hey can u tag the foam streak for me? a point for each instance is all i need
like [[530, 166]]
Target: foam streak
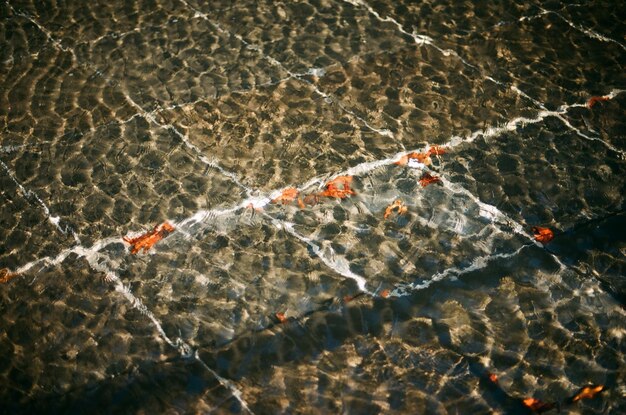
[[476, 265], [29, 194]]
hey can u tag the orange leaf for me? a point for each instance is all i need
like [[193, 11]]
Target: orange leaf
[[436, 151], [592, 101], [493, 377], [148, 239], [301, 204], [396, 205], [339, 188], [427, 179], [543, 235], [311, 200], [420, 157], [281, 317], [588, 392], [385, 293], [537, 405], [6, 275], [287, 196]]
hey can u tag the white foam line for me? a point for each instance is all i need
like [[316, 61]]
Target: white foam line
[[477, 264], [273, 61], [591, 33], [493, 213], [45, 31], [211, 163], [364, 168], [185, 139], [418, 39], [226, 383], [563, 110], [30, 194], [260, 202], [342, 267], [184, 349], [329, 98]]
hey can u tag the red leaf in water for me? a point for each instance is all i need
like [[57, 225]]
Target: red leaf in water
[[493, 377], [588, 392], [311, 200], [543, 235], [287, 196], [537, 406], [148, 239], [427, 179], [398, 206], [420, 157], [592, 101], [339, 188], [436, 151], [6, 275], [281, 317]]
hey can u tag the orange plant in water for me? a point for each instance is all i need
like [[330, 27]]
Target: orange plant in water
[[428, 178], [6, 275], [281, 317], [148, 239], [339, 187], [537, 405], [543, 235], [287, 196], [588, 392], [436, 151], [592, 101], [398, 206], [423, 158]]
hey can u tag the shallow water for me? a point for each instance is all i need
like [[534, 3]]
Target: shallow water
[[118, 117]]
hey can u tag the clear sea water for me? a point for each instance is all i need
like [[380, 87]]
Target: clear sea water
[[117, 116]]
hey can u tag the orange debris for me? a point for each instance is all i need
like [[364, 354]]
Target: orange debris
[[148, 239], [536, 405], [588, 392], [301, 203], [493, 377], [427, 179], [385, 293], [287, 196], [592, 101], [311, 200], [436, 151], [6, 275], [339, 187], [543, 235], [281, 317], [420, 157], [396, 205]]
